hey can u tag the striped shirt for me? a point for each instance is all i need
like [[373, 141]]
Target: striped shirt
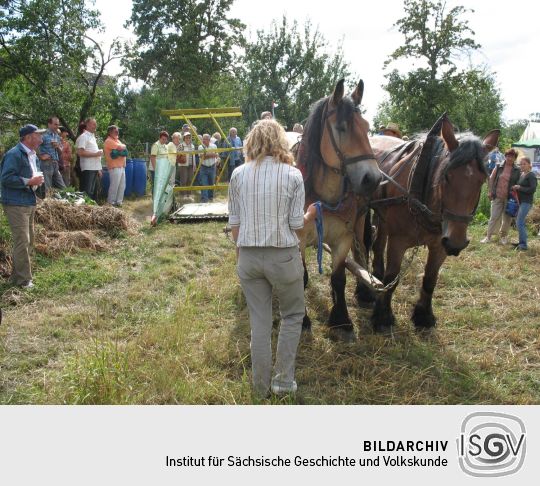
[[266, 200]]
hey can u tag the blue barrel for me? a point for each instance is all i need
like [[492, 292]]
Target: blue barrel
[[129, 177], [105, 182], [139, 177]]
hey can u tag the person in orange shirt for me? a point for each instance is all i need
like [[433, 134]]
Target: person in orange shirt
[[115, 156]]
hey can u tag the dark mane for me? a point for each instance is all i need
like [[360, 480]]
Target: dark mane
[[309, 156], [470, 148]]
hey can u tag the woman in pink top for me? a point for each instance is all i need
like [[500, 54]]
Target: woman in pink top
[[115, 156]]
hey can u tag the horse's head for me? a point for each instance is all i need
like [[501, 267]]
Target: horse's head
[[460, 180], [344, 143]]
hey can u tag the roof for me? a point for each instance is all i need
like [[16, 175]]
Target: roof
[[532, 143], [532, 131]]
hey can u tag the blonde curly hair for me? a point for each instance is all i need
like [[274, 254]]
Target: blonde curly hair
[[267, 138]]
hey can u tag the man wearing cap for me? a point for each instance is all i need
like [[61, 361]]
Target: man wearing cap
[[115, 153], [49, 155], [20, 177], [90, 158]]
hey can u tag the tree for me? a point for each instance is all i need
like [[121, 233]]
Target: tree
[[511, 133], [433, 35], [417, 98], [477, 104], [289, 66], [50, 64], [182, 44]]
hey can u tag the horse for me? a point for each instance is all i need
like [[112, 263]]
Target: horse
[[341, 172], [429, 197]]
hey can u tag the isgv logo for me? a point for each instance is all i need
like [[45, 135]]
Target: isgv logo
[[491, 444]]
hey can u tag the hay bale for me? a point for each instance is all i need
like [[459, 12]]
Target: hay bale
[[6, 262], [56, 243], [60, 215], [534, 217]]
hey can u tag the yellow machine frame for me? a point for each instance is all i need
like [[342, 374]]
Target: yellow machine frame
[[188, 114]]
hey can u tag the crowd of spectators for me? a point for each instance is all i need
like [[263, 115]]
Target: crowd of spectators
[[45, 160]]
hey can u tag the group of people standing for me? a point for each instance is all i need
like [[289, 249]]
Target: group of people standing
[[42, 160], [196, 164], [506, 181]]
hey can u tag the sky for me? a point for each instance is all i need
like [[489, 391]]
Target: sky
[[507, 32]]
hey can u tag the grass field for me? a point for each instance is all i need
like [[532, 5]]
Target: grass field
[[161, 319]]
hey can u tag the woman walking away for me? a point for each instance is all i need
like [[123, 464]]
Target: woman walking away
[[525, 188], [500, 184], [266, 201]]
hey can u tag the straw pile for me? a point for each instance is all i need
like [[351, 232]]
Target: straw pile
[[58, 215], [5, 260], [64, 228], [56, 243], [534, 217]]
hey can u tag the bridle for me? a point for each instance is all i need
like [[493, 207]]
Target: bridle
[[344, 161], [416, 206], [447, 215]]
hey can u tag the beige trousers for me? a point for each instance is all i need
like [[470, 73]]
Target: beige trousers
[[21, 222], [495, 224], [261, 271]]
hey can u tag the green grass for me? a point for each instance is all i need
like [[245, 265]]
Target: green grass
[[162, 319]]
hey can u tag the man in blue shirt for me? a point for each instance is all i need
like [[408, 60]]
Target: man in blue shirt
[[236, 156], [20, 178], [49, 155]]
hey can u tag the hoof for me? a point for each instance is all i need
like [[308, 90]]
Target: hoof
[[386, 331], [343, 334], [423, 318], [383, 324]]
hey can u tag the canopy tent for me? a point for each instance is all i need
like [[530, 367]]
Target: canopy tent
[[529, 145]]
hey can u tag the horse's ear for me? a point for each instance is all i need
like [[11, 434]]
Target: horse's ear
[[491, 140], [339, 91], [447, 133], [358, 93]]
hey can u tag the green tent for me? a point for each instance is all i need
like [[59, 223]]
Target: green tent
[[531, 143]]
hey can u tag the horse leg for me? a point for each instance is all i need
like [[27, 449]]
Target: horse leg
[[339, 321], [422, 315], [360, 250], [306, 323], [365, 296], [383, 318], [378, 252]]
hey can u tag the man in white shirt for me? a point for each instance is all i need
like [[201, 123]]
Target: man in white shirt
[[207, 172], [90, 155]]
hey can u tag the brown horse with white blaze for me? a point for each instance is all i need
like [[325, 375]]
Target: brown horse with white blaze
[[341, 172], [430, 196]]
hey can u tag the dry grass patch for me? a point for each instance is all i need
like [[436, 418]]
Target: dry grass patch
[[162, 319]]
